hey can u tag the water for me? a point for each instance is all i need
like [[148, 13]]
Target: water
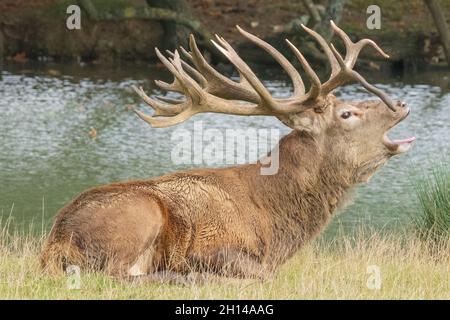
[[47, 156]]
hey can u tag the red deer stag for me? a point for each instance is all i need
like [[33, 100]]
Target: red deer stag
[[235, 221]]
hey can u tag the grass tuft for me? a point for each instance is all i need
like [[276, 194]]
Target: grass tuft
[[433, 191]]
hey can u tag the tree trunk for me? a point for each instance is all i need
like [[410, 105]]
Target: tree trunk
[[334, 11], [441, 25], [2, 50], [171, 39], [89, 8], [313, 12]]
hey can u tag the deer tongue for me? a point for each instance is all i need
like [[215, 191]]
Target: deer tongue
[[402, 141], [398, 145]]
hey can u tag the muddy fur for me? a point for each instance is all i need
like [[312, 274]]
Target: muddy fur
[[231, 221]]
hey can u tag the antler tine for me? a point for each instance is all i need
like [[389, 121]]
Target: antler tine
[[191, 87], [218, 84], [199, 77], [186, 82], [176, 113], [316, 85], [299, 87], [353, 49], [175, 85], [186, 53], [356, 76], [324, 45], [167, 121], [228, 51], [161, 109], [169, 100]]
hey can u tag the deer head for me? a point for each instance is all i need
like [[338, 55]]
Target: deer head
[[351, 132]]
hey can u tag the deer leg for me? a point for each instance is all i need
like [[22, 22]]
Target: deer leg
[[236, 263], [231, 263], [171, 277], [225, 266], [143, 262], [190, 279]]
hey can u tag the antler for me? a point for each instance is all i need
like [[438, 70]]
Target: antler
[[213, 92], [342, 69]]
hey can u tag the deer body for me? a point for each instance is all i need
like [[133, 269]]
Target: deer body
[[195, 217], [234, 221]]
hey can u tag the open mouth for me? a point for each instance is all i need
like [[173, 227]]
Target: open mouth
[[397, 146]]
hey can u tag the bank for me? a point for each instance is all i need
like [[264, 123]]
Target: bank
[[120, 30]]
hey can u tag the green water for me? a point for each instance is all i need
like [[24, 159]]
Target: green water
[[47, 156]]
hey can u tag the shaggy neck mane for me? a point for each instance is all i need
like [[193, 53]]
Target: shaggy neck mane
[[301, 197]]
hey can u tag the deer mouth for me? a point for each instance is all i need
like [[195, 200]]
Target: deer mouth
[[397, 146]]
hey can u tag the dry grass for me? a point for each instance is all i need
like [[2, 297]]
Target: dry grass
[[409, 268]]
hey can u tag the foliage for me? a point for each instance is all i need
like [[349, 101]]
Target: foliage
[[433, 193]]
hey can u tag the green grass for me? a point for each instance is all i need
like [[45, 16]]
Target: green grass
[[336, 269], [433, 192]]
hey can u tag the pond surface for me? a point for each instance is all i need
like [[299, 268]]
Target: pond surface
[[47, 155]]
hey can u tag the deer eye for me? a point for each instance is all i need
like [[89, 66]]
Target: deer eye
[[346, 115]]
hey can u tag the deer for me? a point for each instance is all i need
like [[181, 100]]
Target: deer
[[234, 221]]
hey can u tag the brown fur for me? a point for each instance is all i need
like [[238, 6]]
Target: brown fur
[[232, 221]]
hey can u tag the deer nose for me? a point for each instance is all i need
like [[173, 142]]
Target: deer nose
[[401, 104]]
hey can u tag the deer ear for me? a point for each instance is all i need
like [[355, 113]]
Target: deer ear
[[305, 121]]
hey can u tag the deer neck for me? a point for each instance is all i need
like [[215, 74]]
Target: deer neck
[[308, 163], [308, 188]]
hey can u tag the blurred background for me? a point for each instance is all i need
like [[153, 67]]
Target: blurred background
[[414, 32], [65, 99]]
